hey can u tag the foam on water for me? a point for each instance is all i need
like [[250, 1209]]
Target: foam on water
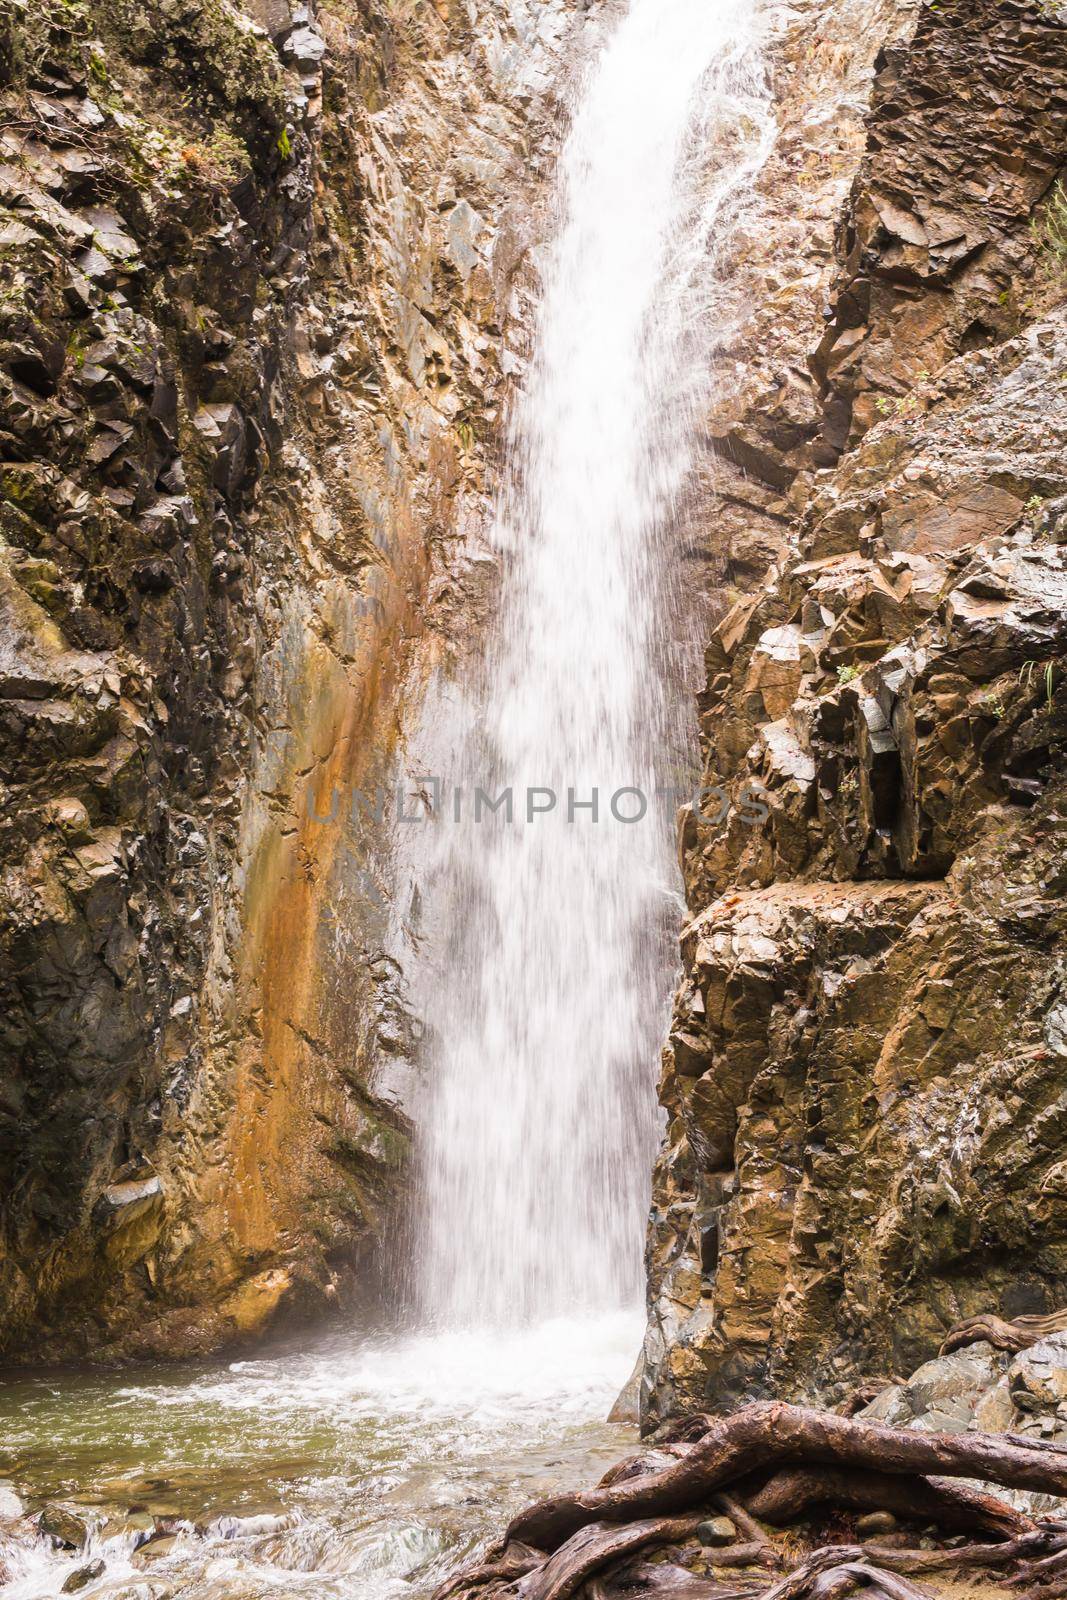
[[356, 1470]]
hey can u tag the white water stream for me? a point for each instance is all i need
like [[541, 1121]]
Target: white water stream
[[555, 926], [550, 948]]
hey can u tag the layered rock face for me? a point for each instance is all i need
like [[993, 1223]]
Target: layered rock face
[[866, 1077], [256, 271]]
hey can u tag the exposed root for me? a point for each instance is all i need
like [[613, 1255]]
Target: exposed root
[[593, 1547], [514, 1561], [773, 1463], [1015, 1336], [790, 1493], [743, 1520], [640, 1580], [768, 1435]]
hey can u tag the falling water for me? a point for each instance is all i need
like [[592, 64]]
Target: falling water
[[553, 928]]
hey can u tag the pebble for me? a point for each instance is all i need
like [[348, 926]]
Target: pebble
[[716, 1530], [875, 1522]]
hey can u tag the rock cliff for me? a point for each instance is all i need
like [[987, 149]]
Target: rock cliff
[[262, 292], [866, 1076], [258, 269]]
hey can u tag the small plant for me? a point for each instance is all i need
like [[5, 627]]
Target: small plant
[[994, 704], [847, 674], [1026, 678], [1049, 231], [1034, 504], [285, 144], [465, 434], [905, 405]]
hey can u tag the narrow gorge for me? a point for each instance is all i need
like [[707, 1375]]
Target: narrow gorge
[[512, 513]]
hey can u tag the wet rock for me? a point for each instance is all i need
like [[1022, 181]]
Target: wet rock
[[81, 1577], [157, 1548], [222, 488], [64, 1526]]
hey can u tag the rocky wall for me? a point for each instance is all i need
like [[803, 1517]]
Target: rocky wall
[[866, 1073], [259, 296]]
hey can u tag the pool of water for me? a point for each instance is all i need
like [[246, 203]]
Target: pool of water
[[358, 1469]]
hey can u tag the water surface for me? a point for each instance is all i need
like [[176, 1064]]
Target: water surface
[[370, 1469]]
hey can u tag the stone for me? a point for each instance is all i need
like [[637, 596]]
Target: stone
[[715, 1531], [850, 1164], [155, 1549], [875, 1523], [64, 1526], [81, 1577]]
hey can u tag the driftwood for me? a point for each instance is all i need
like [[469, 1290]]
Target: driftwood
[[772, 1463], [1017, 1335]]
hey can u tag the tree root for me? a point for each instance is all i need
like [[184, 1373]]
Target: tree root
[[772, 1463], [789, 1493], [768, 1434], [594, 1546], [743, 1520], [500, 1566], [1014, 1336], [640, 1580]]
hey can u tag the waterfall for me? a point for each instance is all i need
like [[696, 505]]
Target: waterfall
[[551, 928]]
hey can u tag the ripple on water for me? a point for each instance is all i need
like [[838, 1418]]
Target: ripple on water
[[362, 1470]]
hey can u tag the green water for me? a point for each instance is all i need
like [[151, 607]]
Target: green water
[[359, 1470]]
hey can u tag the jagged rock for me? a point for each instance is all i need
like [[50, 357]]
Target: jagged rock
[[223, 495], [862, 1104]]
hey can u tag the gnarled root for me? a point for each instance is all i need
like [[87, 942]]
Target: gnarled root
[[788, 1494], [1014, 1336], [514, 1560], [771, 1463], [595, 1546], [769, 1434]]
